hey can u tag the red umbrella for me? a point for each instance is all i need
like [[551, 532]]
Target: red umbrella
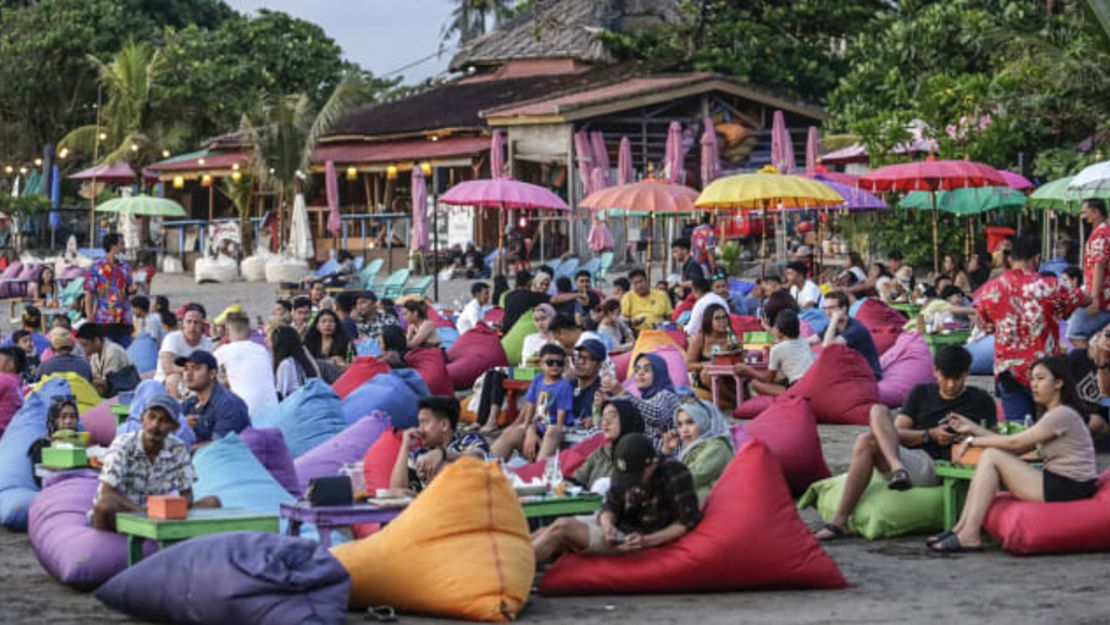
[[583, 151], [672, 159], [116, 173], [812, 150], [497, 154]]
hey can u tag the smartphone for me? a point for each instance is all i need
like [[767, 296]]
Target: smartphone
[[619, 537]]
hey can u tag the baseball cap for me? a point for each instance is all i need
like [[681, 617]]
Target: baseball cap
[[61, 338], [199, 357], [594, 348], [631, 457], [167, 403]]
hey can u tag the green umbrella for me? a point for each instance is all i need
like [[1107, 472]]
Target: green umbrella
[[143, 205], [1056, 196], [966, 201]]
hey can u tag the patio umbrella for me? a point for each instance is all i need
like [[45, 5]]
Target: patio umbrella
[[624, 162], [812, 150], [1092, 177], [710, 154], [822, 173], [855, 198], [142, 205], [932, 175], [1057, 195], [782, 147], [672, 158], [118, 172], [331, 185], [300, 235], [502, 193], [497, 154], [583, 151], [966, 201], [1016, 180], [419, 211]]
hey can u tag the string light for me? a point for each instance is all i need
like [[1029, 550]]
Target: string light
[[165, 153], [102, 136], [134, 147], [352, 173], [206, 180], [179, 182], [236, 176], [391, 172], [38, 162], [23, 170], [200, 161], [426, 168], [9, 170], [235, 167], [63, 153]]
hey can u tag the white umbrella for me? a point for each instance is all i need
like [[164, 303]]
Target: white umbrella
[[300, 236], [1093, 177]]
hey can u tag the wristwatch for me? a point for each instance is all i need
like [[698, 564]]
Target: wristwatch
[[925, 438], [970, 441]]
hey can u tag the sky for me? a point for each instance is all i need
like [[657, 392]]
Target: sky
[[380, 35]]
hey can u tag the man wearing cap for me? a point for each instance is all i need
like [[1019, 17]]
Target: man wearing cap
[[63, 360], [587, 358], [211, 410], [651, 502], [144, 463]]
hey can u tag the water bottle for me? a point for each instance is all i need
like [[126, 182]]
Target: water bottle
[[553, 475], [1028, 421]]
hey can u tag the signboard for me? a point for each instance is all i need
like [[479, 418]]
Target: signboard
[[459, 228]]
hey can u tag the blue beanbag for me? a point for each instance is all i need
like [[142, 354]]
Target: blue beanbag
[[143, 351], [982, 355], [306, 418], [395, 393], [816, 319], [17, 483], [447, 337], [228, 469], [236, 577]]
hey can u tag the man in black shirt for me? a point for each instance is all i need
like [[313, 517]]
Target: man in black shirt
[[905, 447], [1085, 373], [530, 291], [689, 269]]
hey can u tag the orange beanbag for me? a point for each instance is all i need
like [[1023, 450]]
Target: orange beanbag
[[1028, 527], [361, 370], [649, 341], [750, 537], [461, 550], [840, 387], [789, 430]]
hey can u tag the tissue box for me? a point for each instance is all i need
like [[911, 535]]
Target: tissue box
[[168, 507], [64, 458]]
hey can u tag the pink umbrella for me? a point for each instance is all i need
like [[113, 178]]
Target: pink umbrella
[[782, 147], [813, 148], [584, 152], [1016, 181], [118, 172], [672, 158], [497, 155], [331, 184], [419, 211], [601, 160], [624, 162], [599, 239], [710, 156]]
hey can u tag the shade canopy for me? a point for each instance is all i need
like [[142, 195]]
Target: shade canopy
[[767, 190], [647, 197], [1057, 195], [502, 192], [1016, 181], [143, 205], [1092, 177], [856, 199], [932, 175], [118, 172], [967, 201]]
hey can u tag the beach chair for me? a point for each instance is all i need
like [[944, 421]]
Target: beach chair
[[369, 273], [329, 267], [602, 275], [358, 263], [418, 287], [394, 285], [591, 266], [567, 268]]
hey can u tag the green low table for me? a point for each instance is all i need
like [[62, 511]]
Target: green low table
[[955, 478], [910, 310], [200, 522], [541, 506], [122, 411], [938, 340]]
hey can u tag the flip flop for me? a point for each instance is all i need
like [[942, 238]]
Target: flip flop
[[834, 529], [951, 544], [939, 537], [381, 614], [900, 480]]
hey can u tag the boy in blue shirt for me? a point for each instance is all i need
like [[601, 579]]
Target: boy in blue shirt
[[548, 410]]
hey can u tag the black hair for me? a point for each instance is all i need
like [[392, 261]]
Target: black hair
[[443, 407], [522, 279], [840, 296], [195, 307], [894, 255], [301, 301], [552, 349], [161, 304], [141, 302], [500, 287], [1069, 396], [773, 279], [1098, 204], [1045, 273], [417, 307], [18, 335], [57, 403], [936, 280], [285, 304], [707, 318], [345, 301], [169, 319], [797, 266], [393, 339], [952, 361], [90, 332], [545, 269], [777, 302], [1075, 273], [314, 341], [1025, 247], [583, 273], [623, 284], [682, 243], [563, 322], [636, 273], [701, 285], [111, 240], [286, 343], [365, 295], [31, 316], [17, 356], [563, 284], [787, 323], [950, 290], [477, 288]]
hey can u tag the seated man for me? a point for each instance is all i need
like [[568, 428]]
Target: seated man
[[63, 360], [643, 306], [844, 330], [433, 444], [905, 447], [211, 410], [587, 359], [145, 463], [105, 358], [651, 502]]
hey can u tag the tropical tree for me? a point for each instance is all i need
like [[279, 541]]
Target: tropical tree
[[240, 191], [469, 18]]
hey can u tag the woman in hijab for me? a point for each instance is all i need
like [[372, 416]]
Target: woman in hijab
[[62, 415], [703, 443], [618, 418], [658, 401], [533, 343]]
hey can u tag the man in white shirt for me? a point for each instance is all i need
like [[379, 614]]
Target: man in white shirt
[[248, 367], [179, 344], [473, 311], [706, 297], [802, 289]]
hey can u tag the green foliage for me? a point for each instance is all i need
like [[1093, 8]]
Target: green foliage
[[24, 207], [909, 231]]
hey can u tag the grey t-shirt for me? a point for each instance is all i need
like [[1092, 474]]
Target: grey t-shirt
[[1071, 452], [792, 357]]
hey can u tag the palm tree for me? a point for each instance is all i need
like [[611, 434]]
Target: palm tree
[[468, 20], [239, 190]]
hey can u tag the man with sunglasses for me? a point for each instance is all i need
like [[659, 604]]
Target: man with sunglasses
[[548, 410]]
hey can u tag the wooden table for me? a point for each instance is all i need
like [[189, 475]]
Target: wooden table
[[939, 340], [200, 522]]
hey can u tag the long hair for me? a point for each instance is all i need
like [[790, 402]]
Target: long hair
[[286, 343], [707, 319], [1059, 369], [314, 341], [778, 301]]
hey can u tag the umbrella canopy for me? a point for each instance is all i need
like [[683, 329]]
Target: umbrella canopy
[[1092, 177], [497, 154], [856, 199], [143, 205], [502, 193], [624, 162], [767, 190], [331, 187], [813, 148], [118, 172], [672, 159], [642, 198], [419, 211], [583, 151], [710, 154], [1016, 180], [966, 201], [932, 175], [824, 175], [1057, 195]]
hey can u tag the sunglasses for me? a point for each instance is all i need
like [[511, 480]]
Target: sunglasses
[[554, 363], [641, 369]]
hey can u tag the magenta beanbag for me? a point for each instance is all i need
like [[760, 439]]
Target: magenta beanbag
[[268, 445], [753, 407], [431, 364], [100, 423], [474, 353], [789, 430], [348, 446], [905, 365], [884, 323], [840, 387], [569, 459], [1027, 527]]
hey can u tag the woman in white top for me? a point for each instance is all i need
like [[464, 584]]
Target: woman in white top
[[293, 364], [1061, 438], [533, 343]]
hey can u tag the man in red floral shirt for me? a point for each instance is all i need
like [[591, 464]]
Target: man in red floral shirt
[[1084, 323], [108, 291], [1023, 310]]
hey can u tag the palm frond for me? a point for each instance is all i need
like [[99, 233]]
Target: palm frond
[[349, 94]]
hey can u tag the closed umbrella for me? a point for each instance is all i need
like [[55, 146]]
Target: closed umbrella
[[672, 157], [583, 150], [300, 235], [782, 147], [419, 211], [710, 154], [601, 160], [497, 154], [331, 185], [624, 162], [813, 148]]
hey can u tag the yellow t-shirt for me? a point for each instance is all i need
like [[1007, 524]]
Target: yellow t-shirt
[[654, 308]]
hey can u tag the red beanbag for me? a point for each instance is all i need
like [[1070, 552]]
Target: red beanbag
[[750, 537], [622, 362], [884, 323], [474, 353], [742, 324], [840, 387], [361, 370], [905, 365], [431, 364], [1027, 527], [569, 459], [753, 407], [377, 464], [789, 430]]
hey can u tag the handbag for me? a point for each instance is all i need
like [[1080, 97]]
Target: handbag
[[330, 491], [123, 380]]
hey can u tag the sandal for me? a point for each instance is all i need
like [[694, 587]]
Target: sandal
[[900, 480], [939, 537], [951, 544], [381, 614], [835, 532]]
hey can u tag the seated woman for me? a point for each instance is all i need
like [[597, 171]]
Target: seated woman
[[62, 415], [702, 442], [714, 337], [45, 291], [421, 330], [327, 340], [1060, 436], [394, 346], [533, 343], [658, 400], [293, 365], [618, 419], [610, 324], [790, 358]]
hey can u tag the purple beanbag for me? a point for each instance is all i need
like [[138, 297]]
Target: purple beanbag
[[236, 577], [350, 445], [905, 365], [268, 445], [11, 273], [100, 423]]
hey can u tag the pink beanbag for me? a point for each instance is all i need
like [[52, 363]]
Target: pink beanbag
[[789, 430], [905, 365], [884, 323], [676, 368], [840, 387], [750, 537], [268, 445], [753, 407], [100, 423], [362, 369], [474, 353], [569, 459], [1027, 527], [431, 364]]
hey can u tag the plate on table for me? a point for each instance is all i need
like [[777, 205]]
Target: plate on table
[[389, 502], [529, 490]]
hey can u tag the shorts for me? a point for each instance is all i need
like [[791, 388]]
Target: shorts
[[919, 465], [1060, 488], [597, 545]]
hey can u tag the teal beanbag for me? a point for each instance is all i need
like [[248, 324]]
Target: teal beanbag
[[306, 418], [881, 512], [513, 341]]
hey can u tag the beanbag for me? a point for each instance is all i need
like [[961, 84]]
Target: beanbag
[[465, 537], [750, 537], [881, 512], [1027, 527], [815, 318], [789, 430], [676, 369], [569, 459], [377, 464], [884, 322], [79, 387], [679, 337], [100, 423], [361, 370], [752, 408], [905, 365], [268, 446], [147, 390], [651, 341], [17, 484], [447, 335], [229, 470], [840, 387], [622, 363], [395, 393], [474, 353], [513, 341], [742, 324], [306, 418], [236, 577], [70, 550], [982, 355], [431, 364], [348, 446], [143, 351]]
